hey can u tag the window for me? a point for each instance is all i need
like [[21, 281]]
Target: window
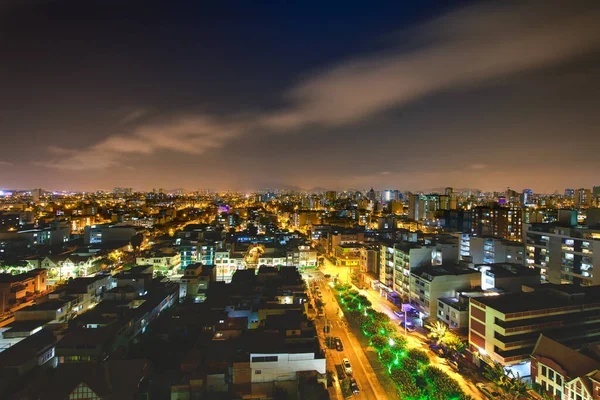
[[265, 359], [551, 375], [257, 372], [543, 371], [558, 380]]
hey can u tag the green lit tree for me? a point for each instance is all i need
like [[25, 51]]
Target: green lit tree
[[379, 341]]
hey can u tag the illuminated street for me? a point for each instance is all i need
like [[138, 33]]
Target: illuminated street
[[415, 339]]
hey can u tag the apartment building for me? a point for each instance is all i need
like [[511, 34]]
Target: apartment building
[[505, 328], [490, 250], [497, 221], [563, 254], [430, 283]]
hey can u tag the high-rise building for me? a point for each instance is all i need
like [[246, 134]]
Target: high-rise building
[[569, 193], [36, 194], [421, 207], [583, 197], [331, 196], [596, 196], [504, 222]]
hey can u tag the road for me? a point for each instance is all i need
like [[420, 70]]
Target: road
[[415, 339], [367, 381]]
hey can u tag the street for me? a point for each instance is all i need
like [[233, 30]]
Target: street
[[369, 385], [415, 339]]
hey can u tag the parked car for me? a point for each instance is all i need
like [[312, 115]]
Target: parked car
[[488, 392], [338, 344], [354, 386], [347, 366], [409, 326]]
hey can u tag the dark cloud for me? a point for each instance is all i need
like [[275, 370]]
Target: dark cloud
[[476, 97]]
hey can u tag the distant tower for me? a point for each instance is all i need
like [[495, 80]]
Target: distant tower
[[36, 194]]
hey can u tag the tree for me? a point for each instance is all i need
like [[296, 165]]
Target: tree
[[411, 365], [419, 355], [454, 345], [496, 374], [381, 317], [379, 341], [371, 329], [363, 301], [386, 356], [399, 342], [406, 383], [437, 331], [136, 242]]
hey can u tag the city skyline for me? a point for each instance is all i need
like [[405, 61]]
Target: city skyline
[[484, 95]]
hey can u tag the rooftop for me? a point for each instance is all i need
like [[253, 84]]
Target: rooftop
[[575, 363], [553, 296]]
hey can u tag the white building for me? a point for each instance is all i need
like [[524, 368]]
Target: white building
[[274, 367]]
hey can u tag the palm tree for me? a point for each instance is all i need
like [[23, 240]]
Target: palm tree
[[437, 331], [496, 374]]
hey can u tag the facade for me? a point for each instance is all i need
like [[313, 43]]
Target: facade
[[160, 260], [505, 328], [107, 233], [563, 372], [501, 222], [369, 264], [563, 254], [490, 250], [16, 289], [422, 207], [507, 276], [430, 283]]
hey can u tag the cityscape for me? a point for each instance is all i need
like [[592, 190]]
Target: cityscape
[[277, 201]]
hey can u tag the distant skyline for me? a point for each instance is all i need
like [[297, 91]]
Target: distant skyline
[[150, 94]]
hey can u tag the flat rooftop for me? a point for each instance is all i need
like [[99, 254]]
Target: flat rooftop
[[542, 299]]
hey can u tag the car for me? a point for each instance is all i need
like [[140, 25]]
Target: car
[[347, 366], [327, 276], [338, 344], [407, 325], [354, 386], [489, 392]]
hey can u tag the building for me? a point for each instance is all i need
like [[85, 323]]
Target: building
[[369, 265], [54, 235], [583, 198], [507, 276], [563, 254], [17, 290], [165, 260], [505, 328], [422, 207], [563, 372], [196, 280], [504, 222], [275, 357], [430, 283], [107, 233], [490, 250]]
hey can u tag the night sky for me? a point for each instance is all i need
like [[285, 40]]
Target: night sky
[[248, 95]]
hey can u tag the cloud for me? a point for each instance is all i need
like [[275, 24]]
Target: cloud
[[460, 49], [134, 115], [478, 166]]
